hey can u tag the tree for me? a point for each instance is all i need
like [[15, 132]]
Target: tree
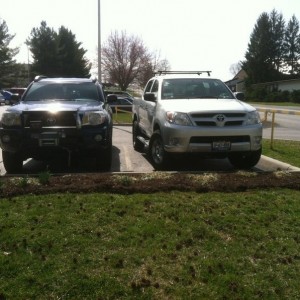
[[235, 68], [126, 60], [258, 62], [150, 67], [70, 55], [6, 55], [277, 39], [57, 54], [42, 45], [292, 46], [265, 50]]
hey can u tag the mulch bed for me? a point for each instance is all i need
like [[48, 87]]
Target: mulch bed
[[152, 183]]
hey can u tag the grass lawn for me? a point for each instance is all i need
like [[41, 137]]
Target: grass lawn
[[122, 118], [283, 150], [172, 245], [162, 246]]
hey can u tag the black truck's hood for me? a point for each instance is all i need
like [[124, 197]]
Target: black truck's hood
[[57, 106]]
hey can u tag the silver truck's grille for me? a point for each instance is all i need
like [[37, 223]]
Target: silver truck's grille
[[218, 119], [40, 119]]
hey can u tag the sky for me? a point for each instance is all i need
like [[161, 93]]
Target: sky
[[193, 35]]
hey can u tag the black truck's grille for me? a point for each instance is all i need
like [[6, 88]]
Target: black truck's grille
[[41, 119]]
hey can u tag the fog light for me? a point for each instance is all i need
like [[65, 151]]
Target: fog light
[[174, 141], [98, 138], [257, 140], [6, 139]]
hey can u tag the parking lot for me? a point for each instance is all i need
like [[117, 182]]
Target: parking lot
[[126, 159]]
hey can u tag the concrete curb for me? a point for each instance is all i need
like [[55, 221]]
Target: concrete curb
[[265, 163]]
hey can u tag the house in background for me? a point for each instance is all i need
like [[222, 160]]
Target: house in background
[[289, 85], [237, 83]]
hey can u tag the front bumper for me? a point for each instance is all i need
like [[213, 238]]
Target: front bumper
[[30, 143], [187, 139]]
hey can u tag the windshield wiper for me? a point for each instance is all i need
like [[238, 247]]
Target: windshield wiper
[[204, 97]]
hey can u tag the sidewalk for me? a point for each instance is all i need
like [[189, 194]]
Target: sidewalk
[[269, 164]]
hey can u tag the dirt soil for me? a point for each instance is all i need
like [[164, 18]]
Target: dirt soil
[[148, 183]]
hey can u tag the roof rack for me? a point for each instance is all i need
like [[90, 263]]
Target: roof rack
[[39, 77], [94, 79], [182, 72]]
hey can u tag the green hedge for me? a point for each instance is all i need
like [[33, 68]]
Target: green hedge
[[261, 94]]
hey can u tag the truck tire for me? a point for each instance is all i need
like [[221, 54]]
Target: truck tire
[[13, 162], [159, 157], [245, 160], [107, 157], [104, 158], [137, 144]]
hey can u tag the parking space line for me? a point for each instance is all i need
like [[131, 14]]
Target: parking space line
[[126, 159]]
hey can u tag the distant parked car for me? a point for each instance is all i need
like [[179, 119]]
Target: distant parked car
[[119, 94], [7, 96], [17, 90], [2, 99], [122, 103]]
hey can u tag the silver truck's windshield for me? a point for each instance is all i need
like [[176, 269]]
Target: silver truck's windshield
[[186, 88]]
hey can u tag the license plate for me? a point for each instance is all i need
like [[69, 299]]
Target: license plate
[[48, 139], [221, 146]]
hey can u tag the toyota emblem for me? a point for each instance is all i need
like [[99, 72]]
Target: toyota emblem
[[51, 121], [220, 118]]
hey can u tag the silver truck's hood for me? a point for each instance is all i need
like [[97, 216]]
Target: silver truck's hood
[[206, 105]]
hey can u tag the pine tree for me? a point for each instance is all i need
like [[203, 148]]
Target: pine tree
[[72, 62], [258, 56], [277, 39], [292, 46], [7, 62], [57, 54], [266, 49], [42, 45]]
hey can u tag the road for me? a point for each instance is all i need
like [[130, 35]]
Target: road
[[126, 159], [286, 126]]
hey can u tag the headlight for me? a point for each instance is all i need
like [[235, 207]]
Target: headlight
[[93, 118], [253, 118], [11, 119], [178, 118]]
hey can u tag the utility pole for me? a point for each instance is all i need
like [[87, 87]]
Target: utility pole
[[28, 65], [99, 44]]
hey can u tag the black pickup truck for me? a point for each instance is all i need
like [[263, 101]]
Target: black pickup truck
[[55, 117]]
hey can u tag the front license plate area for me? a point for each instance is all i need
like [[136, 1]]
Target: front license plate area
[[48, 139], [221, 146]]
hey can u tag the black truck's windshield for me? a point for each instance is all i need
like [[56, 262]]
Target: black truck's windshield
[[58, 91]]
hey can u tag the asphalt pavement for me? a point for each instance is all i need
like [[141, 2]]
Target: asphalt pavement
[[127, 160]]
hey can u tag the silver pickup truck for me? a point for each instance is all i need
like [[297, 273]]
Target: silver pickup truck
[[188, 113]]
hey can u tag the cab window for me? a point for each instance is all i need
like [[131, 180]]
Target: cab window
[[148, 86]]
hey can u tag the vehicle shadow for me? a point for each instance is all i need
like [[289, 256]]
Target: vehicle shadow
[[60, 165], [191, 163]]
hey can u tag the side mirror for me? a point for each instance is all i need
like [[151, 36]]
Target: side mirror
[[111, 98], [15, 98], [239, 96], [150, 97]]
